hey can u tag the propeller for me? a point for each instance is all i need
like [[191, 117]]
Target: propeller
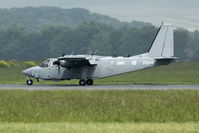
[[57, 62], [58, 69]]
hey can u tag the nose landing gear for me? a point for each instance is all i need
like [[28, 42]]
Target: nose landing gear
[[29, 82]]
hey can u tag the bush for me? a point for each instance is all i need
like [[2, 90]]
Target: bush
[[13, 63], [30, 63], [4, 64]]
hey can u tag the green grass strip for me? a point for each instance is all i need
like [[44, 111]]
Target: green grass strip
[[99, 106], [99, 128]]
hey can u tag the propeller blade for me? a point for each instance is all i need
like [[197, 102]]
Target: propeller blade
[[59, 69]]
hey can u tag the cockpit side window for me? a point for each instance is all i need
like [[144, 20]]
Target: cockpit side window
[[55, 63], [45, 63]]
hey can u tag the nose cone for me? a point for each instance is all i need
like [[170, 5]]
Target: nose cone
[[27, 72]]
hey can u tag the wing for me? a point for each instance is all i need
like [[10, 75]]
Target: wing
[[73, 61], [73, 58]]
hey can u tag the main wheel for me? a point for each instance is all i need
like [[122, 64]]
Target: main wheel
[[29, 82], [89, 82], [82, 82]]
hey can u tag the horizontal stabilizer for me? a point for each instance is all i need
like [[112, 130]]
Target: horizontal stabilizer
[[166, 58]]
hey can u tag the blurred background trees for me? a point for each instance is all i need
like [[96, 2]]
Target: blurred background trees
[[38, 33]]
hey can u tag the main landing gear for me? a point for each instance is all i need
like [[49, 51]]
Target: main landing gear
[[83, 82], [29, 82]]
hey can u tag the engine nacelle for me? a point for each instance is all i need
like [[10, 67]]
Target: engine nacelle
[[64, 63]]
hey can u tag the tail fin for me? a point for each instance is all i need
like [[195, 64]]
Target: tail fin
[[162, 45]]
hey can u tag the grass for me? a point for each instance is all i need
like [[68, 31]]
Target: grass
[[101, 106], [176, 73], [99, 128]]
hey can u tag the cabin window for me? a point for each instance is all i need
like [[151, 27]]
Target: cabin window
[[45, 63]]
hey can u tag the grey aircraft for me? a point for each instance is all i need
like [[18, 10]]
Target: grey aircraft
[[90, 67]]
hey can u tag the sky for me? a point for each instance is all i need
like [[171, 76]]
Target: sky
[[182, 13]]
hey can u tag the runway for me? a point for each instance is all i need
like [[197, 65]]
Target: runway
[[98, 87]]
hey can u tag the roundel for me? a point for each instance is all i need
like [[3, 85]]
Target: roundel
[[134, 63]]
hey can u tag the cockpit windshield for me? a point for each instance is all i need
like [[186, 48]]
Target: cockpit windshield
[[45, 63]]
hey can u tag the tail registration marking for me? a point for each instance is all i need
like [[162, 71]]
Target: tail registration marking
[[148, 62]]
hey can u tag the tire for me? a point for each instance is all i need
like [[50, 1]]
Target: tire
[[82, 82], [89, 82], [29, 82]]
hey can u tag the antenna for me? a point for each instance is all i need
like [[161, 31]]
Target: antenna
[[95, 52], [72, 52], [90, 52]]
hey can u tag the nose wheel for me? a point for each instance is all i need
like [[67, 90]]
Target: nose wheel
[[83, 82], [29, 82]]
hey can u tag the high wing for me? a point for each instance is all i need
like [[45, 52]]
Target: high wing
[[73, 58], [74, 61]]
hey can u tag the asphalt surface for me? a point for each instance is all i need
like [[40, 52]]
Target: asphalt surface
[[98, 87]]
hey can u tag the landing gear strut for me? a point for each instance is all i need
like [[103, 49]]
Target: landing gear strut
[[83, 82], [29, 82]]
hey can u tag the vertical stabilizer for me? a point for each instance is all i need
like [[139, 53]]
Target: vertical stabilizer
[[162, 45]]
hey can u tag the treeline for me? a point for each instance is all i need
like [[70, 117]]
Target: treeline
[[34, 19], [18, 43]]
